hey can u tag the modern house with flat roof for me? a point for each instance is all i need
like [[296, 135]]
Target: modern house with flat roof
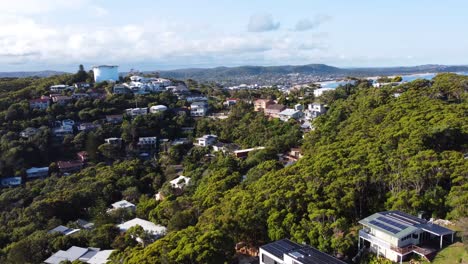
[[396, 235], [285, 251]]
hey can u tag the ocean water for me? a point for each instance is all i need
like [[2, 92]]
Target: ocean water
[[406, 78]]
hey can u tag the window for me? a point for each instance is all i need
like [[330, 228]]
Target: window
[[267, 260], [415, 236]]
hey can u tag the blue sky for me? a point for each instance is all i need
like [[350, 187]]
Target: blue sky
[[150, 35]]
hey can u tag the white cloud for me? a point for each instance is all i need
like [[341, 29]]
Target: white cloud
[[40, 6], [24, 40], [262, 23], [308, 24]]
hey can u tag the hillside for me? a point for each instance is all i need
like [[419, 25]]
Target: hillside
[[30, 74], [320, 70]]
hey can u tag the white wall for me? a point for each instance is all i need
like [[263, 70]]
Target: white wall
[[106, 73]]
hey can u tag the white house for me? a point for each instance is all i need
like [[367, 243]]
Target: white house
[[37, 172], [320, 91], [287, 252], [198, 108], [29, 132], [10, 182], [136, 111], [207, 140], [157, 109], [113, 141], [106, 73], [64, 230], [396, 235], [289, 113], [150, 227], [60, 88], [86, 255], [124, 204], [63, 131], [180, 182], [100, 257], [315, 110]]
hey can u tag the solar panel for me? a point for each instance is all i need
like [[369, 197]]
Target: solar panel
[[407, 218], [391, 222], [385, 227], [280, 247]]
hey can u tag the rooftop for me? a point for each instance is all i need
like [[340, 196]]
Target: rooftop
[[122, 204], [288, 112], [63, 230], [146, 225], [302, 253], [399, 224], [72, 254], [275, 107]]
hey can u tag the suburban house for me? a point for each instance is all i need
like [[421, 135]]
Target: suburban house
[[84, 224], [87, 255], [225, 147], [157, 109], [61, 88], [82, 156], [396, 235], [33, 172], [124, 204], [61, 99], [243, 153], [133, 112], [82, 85], [88, 126], [147, 142], [121, 89], [63, 130], [78, 96], [101, 257], [198, 108], [196, 98], [315, 110], [29, 132], [273, 110], [261, 104], [150, 227], [320, 91], [290, 157], [180, 182], [63, 230], [40, 103], [289, 113], [207, 140], [10, 181], [113, 141], [230, 102], [285, 251], [69, 166], [114, 119]]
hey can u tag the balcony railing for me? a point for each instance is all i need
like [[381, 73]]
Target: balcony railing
[[403, 251]]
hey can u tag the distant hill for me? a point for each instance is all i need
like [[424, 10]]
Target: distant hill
[[256, 72], [222, 73], [235, 72], [29, 74]]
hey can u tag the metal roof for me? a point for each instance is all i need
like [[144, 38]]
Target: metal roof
[[300, 253], [399, 224]]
